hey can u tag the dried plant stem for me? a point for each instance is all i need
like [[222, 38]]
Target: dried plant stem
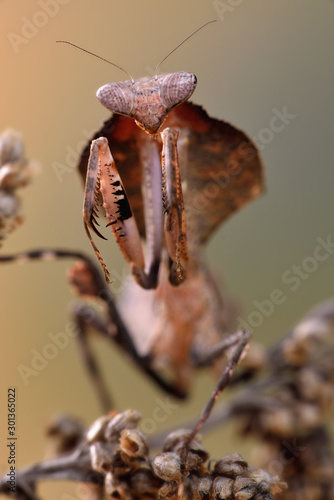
[[222, 382], [73, 467]]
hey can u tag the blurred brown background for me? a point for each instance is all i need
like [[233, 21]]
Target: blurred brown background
[[261, 56]]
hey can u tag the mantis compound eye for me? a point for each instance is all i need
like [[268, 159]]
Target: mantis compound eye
[[117, 97], [176, 88]]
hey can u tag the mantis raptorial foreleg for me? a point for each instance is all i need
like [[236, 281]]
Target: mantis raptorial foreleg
[[174, 216], [162, 191], [103, 176]]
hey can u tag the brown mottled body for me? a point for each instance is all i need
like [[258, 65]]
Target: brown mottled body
[[172, 181]]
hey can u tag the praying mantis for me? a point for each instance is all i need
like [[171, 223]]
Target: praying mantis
[[169, 174]]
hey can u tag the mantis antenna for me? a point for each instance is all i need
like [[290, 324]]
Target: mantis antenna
[[179, 45], [122, 69], [99, 57]]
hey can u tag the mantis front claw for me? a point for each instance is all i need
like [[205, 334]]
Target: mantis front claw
[[103, 177]]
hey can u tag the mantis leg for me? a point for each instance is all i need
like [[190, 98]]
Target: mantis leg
[[88, 283], [85, 317], [103, 176], [174, 215], [205, 357]]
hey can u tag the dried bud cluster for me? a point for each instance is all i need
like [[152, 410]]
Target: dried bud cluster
[[15, 172], [64, 433], [288, 410], [182, 471]]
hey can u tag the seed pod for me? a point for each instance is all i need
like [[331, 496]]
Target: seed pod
[[244, 488], [259, 475], [167, 466], [101, 455], [125, 420], [15, 170], [264, 478], [10, 213], [134, 443], [232, 465], [265, 496], [256, 359], [169, 490], [279, 421], [308, 417], [196, 454], [263, 487], [204, 485], [187, 489], [315, 385], [96, 430], [144, 482], [116, 489], [122, 463], [194, 461], [196, 448], [175, 438], [65, 432], [299, 345], [222, 488]]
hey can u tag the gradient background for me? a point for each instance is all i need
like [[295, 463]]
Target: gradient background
[[264, 54]]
